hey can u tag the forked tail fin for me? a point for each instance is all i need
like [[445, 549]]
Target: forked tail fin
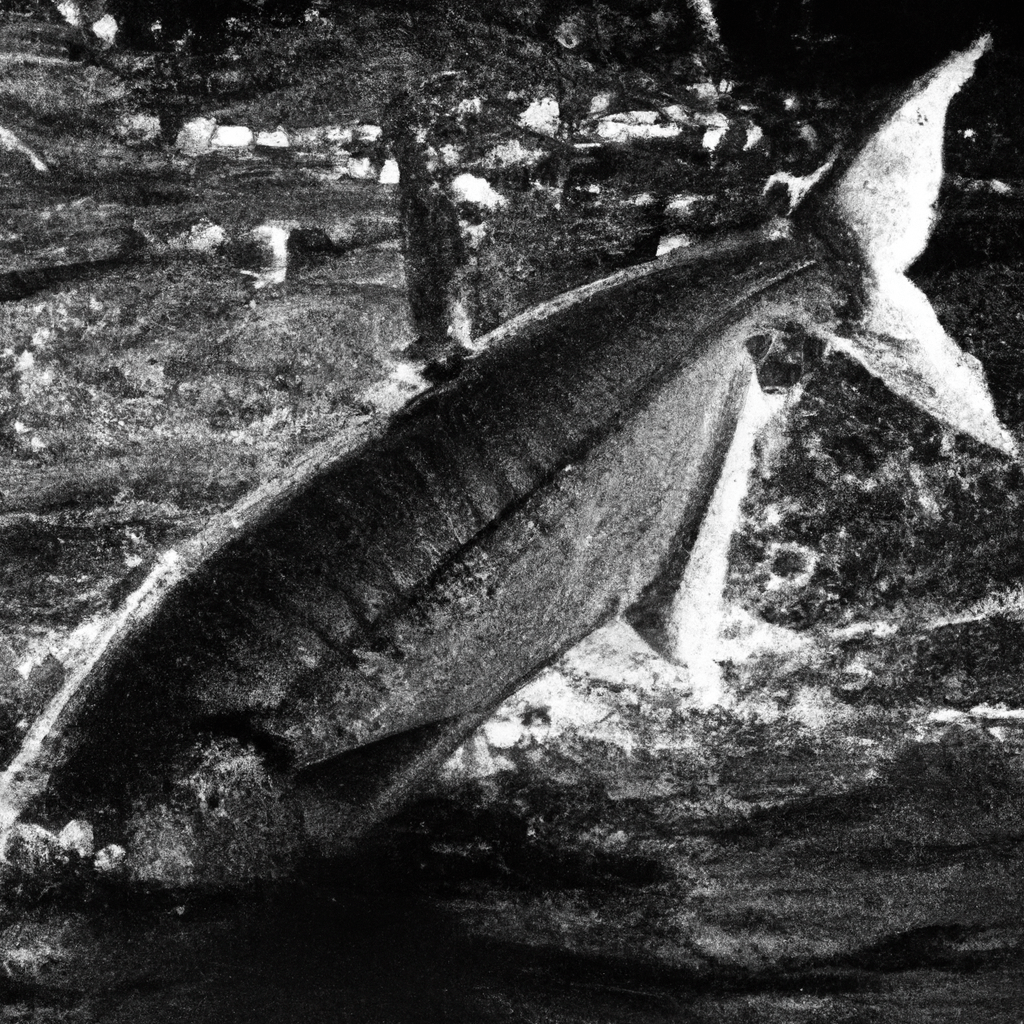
[[881, 198]]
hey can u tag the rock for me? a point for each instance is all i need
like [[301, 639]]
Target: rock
[[110, 859], [202, 237], [277, 139], [619, 131], [77, 837], [271, 239], [360, 168], [704, 93], [677, 112], [70, 12], [30, 848], [570, 32], [138, 127], [469, 107], [601, 103], [755, 135], [335, 135], [809, 136], [468, 188], [231, 136], [308, 138], [717, 126], [105, 30], [367, 133], [541, 116], [389, 173], [635, 117], [682, 208], [195, 135], [510, 154], [670, 242]]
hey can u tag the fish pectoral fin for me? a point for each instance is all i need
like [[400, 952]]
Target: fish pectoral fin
[[353, 792]]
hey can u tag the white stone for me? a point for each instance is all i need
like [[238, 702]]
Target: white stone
[[473, 105], [309, 138], [600, 103], [754, 136], [677, 112], [635, 117], [704, 92], [277, 139], [139, 127], [335, 135], [712, 138], [77, 837], [231, 136], [202, 237], [70, 12], [619, 131], [809, 135], [389, 173], [367, 133], [111, 858], [195, 135], [511, 154], [503, 733], [541, 116], [468, 188], [670, 242], [360, 168], [680, 207], [105, 29]]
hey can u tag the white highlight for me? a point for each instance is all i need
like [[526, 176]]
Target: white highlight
[[541, 116], [697, 608], [468, 188]]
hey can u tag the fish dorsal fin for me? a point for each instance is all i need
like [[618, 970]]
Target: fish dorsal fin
[[881, 198]]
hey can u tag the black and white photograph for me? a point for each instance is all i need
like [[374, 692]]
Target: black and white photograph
[[511, 512]]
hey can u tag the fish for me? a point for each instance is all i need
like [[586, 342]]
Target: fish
[[349, 625]]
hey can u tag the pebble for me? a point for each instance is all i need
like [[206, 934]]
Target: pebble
[[110, 859], [77, 837], [277, 139], [360, 168], [367, 133], [542, 116], [468, 188], [105, 29], [195, 135], [389, 173], [231, 136]]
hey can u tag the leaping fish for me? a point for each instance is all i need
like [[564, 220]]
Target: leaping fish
[[353, 623]]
